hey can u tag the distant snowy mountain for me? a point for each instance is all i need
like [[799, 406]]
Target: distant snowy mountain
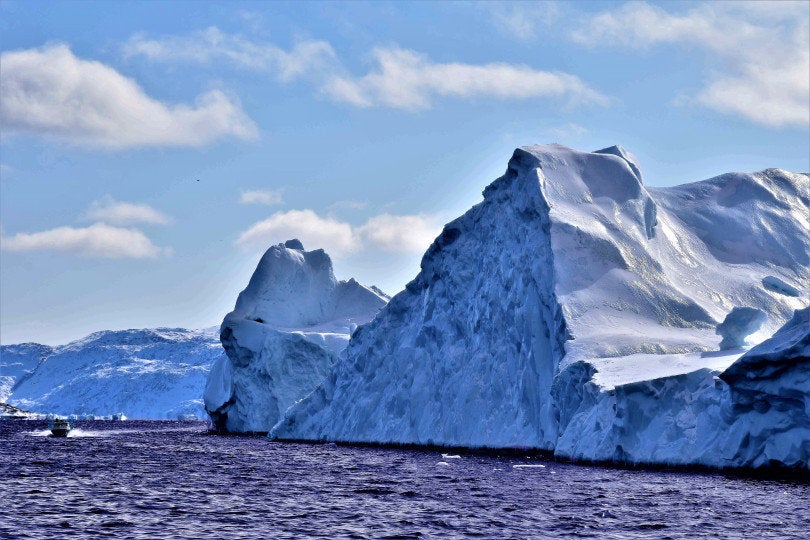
[[153, 373], [542, 314], [17, 363], [283, 336]]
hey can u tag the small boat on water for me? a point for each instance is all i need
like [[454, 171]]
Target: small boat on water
[[60, 427]]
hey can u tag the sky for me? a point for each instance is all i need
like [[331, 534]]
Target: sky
[[151, 151]]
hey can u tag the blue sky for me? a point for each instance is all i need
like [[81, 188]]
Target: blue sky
[[357, 127]]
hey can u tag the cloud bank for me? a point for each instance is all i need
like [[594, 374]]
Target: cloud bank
[[97, 240], [396, 234], [759, 53], [400, 78], [51, 92], [123, 213]]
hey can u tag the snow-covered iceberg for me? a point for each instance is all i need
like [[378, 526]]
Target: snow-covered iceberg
[[753, 414], [151, 373], [283, 336], [571, 281]]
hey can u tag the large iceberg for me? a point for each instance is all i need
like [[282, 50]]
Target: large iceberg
[[570, 285], [150, 373], [283, 336]]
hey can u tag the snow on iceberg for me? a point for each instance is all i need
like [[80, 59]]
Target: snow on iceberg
[[150, 373], [569, 269], [283, 336], [752, 414]]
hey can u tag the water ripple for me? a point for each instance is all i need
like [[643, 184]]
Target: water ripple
[[171, 480]]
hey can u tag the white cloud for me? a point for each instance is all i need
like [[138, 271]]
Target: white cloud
[[261, 196], [97, 240], [402, 79], [51, 92], [410, 234], [307, 226], [523, 20], [123, 213], [759, 53], [403, 234], [213, 45], [405, 79]]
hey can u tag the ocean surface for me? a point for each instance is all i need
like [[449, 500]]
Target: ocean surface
[[135, 479]]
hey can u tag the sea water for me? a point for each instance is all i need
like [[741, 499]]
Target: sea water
[[135, 479]]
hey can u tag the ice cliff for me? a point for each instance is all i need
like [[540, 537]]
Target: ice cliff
[[152, 373], [543, 315], [283, 336]]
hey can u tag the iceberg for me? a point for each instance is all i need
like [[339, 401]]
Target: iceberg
[[551, 315], [285, 333], [147, 373]]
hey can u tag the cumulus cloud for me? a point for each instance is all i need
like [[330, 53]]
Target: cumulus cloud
[[51, 92], [123, 213], [213, 45], [306, 225], [403, 234], [97, 240], [759, 52], [261, 196], [405, 79], [410, 234]]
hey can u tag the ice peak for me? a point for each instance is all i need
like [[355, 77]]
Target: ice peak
[[294, 288], [294, 243], [631, 160]]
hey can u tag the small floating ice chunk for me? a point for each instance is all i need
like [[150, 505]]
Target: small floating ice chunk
[[443, 464], [528, 466], [451, 456]]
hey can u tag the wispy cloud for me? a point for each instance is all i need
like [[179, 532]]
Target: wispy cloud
[[565, 132], [759, 53], [213, 45], [392, 233], [261, 196], [523, 21], [405, 79], [115, 212], [98, 240], [51, 92], [401, 78], [347, 205]]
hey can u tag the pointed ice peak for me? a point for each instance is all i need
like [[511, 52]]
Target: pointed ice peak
[[294, 243], [293, 288], [631, 160]]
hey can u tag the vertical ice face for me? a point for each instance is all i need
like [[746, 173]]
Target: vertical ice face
[[467, 353], [283, 336]]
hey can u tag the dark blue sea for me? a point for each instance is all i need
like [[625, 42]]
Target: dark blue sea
[[136, 479]]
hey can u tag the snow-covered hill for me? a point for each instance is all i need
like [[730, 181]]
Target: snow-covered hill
[[152, 373], [283, 336], [17, 362], [570, 282]]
